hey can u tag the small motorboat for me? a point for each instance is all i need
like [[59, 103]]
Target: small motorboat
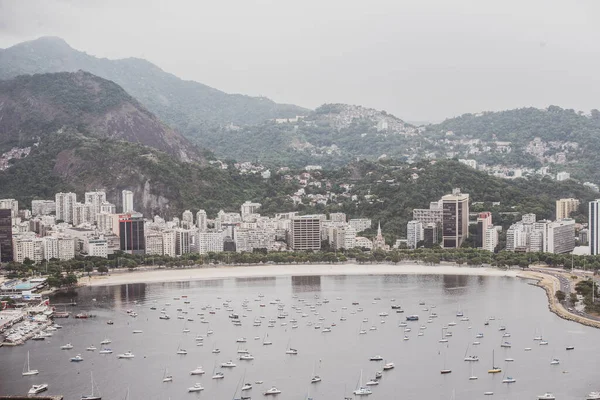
[[228, 364], [105, 351], [127, 354], [376, 358], [509, 379], [197, 371], [91, 348], [247, 386], [77, 358], [218, 375], [196, 388], [546, 396], [67, 346], [35, 389], [388, 366], [272, 390]]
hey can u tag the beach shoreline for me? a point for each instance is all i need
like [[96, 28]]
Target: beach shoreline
[[276, 270]]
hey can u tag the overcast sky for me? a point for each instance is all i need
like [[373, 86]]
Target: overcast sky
[[420, 60]]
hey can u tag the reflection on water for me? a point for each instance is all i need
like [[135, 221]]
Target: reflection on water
[[452, 282], [302, 284]]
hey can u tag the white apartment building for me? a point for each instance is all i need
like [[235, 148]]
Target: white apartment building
[[168, 242], [94, 200], [51, 248], [337, 217], [108, 208], [82, 213], [202, 220], [64, 206], [360, 224], [66, 248], [107, 223], [27, 247], [187, 219], [490, 240], [248, 209], [210, 242], [154, 243], [414, 233], [127, 201], [182, 241], [305, 233], [564, 207], [95, 247], [432, 215]]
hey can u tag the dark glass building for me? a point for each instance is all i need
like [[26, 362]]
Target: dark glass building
[[131, 233], [6, 245]]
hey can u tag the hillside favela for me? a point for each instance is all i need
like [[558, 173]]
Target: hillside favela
[[315, 200]]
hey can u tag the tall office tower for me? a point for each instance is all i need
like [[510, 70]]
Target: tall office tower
[[564, 208], [201, 220], [484, 221], [6, 240], [64, 206], [131, 233], [127, 201], [455, 223], [594, 226], [430, 235], [305, 233]]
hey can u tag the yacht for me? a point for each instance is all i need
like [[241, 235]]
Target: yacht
[[315, 379], [362, 391], [181, 351], [555, 361], [77, 358], [35, 389], [247, 357], [388, 366], [593, 396], [127, 354], [376, 358], [570, 347], [228, 364], [247, 386], [543, 343], [488, 393], [197, 371], [218, 375], [291, 351], [479, 335], [91, 396], [196, 388], [546, 396], [216, 351], [29, 371], [378, 375], [164, 316], [105, 341], [372, 382], [272, 391], [412, 318], [91, 348], [241, 340], [67, 346], [509, 379], [471, 358]]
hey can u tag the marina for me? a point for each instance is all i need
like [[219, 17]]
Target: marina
[[300, 359]]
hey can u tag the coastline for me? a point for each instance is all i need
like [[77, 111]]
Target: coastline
[[274, 270], [551, 284]]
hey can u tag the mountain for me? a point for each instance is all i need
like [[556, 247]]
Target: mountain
[[35, 105], [563, 139], [187, 106], [78, 132]]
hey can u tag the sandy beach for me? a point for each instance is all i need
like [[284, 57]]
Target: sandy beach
[[222, 272]]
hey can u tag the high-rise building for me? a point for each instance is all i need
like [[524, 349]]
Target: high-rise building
[[455, 224], [210, 242], [182, 241], [360, 224], [414, 233], [564, 208], [187, 219], [64, 206], [432, 215], [305, 233], [11, 204], [6, 239], [430, 235], [169, 243], [594, 226], [108, 208], [95, 200], [131, 233], [490, 239], [337, 217], [127, 201], [201, 220], [484, 221], [154, 244], [561, 236]]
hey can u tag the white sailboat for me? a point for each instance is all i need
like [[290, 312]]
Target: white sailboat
[[291, 350], [266, 341], [473, 377], [28, 371], [91, 396], [362, 390], [166, 376], [315, 377]]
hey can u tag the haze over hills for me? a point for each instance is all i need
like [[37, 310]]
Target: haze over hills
[[78, 132], [186, 105]]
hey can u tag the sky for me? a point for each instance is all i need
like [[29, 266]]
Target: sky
[[421, 60]]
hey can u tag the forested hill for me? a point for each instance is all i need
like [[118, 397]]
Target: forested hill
[[32, 106], [186, 105], [563, 139]]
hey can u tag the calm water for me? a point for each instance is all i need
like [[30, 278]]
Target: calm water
[[340, 355]]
